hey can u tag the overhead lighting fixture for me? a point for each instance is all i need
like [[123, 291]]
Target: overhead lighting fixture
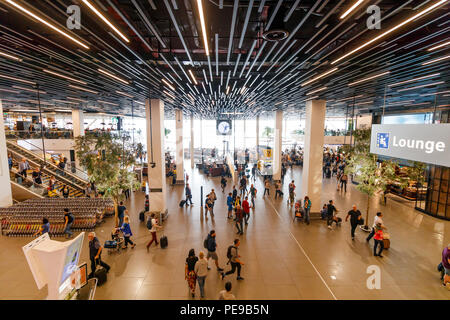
[[437, 4], [113, 76], [317, 90], [16, 79], [357, 3], [192, 76], [124, 94], [24, 110], [11, 91], [415, 79], [228, 90], [400, 103], [27, 89], [439, 46], [169, 94], [82, 89], [98, 13], [202, 22], [363, 103], [48, 24], [350, 98], [308, 99], [168, 84], [76, 99], [63, 110], [436, 60], [106, 102], [63, 76], [62, 101], [433, 94], [138, 102], [369, 78], [421, 86], [319, 77], [9, 56]]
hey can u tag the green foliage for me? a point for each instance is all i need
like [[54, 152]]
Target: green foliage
[[268, 132], [298, 132], [167, 132], [417, 172], [108, 160]]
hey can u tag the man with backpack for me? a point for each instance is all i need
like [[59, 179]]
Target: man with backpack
[[68, 221], [233, 258], [210, 244]]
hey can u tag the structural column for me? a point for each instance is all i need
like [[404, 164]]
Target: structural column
[[276, 164], [5, 184], [78, 128], [179, 157], [313, 152], [191, 146], [257, 138], [154, 112]]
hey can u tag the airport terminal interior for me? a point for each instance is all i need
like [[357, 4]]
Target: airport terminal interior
[[301, 147]]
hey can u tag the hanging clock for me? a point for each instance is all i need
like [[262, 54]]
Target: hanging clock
[[224, 127]]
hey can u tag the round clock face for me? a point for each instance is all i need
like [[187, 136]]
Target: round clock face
[[224, 127]]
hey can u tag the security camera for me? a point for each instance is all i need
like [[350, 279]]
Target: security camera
[[152, 164]]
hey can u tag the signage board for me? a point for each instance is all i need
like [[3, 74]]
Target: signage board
[[428, 143]]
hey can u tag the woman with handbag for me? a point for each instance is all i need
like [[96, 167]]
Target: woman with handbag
[[190, 274]]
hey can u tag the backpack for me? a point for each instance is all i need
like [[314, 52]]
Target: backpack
[[149, 223], [229, 251], [72, 217], [205, 242]]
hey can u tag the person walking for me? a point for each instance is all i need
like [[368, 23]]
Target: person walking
[[253, 192], [10, 161], [234, 191], [95, 254], [254, 172], [226, 294], [201, 270], [120, 213], [213, 198], [211, 247], [355, 217], [446, 265], [246, 209], [277, 189], [189, 271], [188, 193], [223, 183], [377, 219], [233, 258], [68, 221], [65, 191], [208, 206], [378, 237], [331, 209], [344, 179], [126, 230], [291, 193], [23, 167], [45, 228], [239, 219], [153, 230], [230, 205], [266, 187], [306, 209]]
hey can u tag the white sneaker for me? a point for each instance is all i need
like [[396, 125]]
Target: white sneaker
[[329, 227]]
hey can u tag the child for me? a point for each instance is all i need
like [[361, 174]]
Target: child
[[125, 228]]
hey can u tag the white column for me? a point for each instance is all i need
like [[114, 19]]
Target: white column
[[191, 146], [154, 112], [313, 153], [257, 138], [179, 157], [78, 122], [278, 144], [5, 184]]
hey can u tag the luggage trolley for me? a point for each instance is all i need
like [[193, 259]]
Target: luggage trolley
[[116, 243]]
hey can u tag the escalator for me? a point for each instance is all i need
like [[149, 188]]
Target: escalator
[[77, 179]]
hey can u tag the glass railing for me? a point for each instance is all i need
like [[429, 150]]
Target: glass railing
[[48, 134], [28, 183]]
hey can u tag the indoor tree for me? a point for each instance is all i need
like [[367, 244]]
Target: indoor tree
[[371, 175], [109, 161]]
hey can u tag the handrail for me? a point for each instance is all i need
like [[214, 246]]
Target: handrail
[[48, 134], [85, 181], [45, 186], [67, 181]]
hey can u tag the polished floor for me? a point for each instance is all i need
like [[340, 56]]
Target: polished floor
[[283, 259]]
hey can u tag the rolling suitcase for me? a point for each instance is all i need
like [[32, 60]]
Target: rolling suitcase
[[182, 203], [164, 242], [386, 243], [142, 216], [100, 274], [110, 244]]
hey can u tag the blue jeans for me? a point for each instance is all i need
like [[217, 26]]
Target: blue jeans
[[201, 284], [67, 229], [306, 211], [120, 221]]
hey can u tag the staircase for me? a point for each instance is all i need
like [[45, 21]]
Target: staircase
[[76, 185]]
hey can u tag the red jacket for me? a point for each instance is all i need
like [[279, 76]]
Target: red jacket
[[246, 206]]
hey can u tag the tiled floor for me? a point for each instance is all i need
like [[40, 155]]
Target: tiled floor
[[283, 259]]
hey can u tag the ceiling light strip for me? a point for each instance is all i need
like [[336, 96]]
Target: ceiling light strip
[[415, 79], [436, 60], [346, 13], [203, 25], [63, 76], [9, 56], [319, 77], [233, 23], [439, 46], [113, 76]]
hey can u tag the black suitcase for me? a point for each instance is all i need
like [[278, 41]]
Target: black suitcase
[[142, 216], [100, 274], [182, 203], [164, 242]]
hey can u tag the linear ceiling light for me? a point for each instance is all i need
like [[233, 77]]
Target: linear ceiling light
[[9, 56], [415, 79], [47, 23], [357, 3], [138, 102], [422, 86], [26, 89], [319, 77], [17, 79], [63, 76], [202, 22], [106, 102], [369, 78], [11, 91], [82, 89], [168, 84], [169, 94], [106, 20], [432, 94], [76, 99], [192, 76], [439, 46], [62, 101], [437, 4], [113, 76], [124, 94], [317, 90], [436, 60], [228, 90]]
